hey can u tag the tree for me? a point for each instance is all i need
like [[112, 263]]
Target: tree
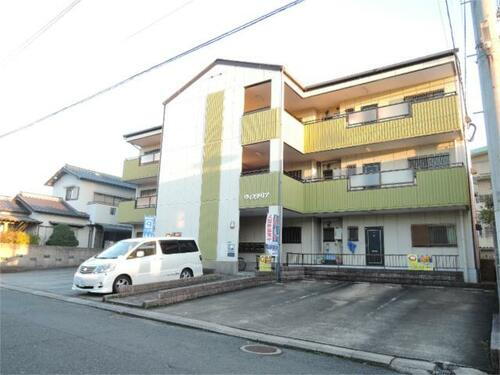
[[487, 215], [62, 236]]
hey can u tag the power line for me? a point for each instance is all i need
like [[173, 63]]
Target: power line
[[185, 4], [43, 29], [164, 62]]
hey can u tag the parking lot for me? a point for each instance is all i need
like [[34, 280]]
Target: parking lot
[[431, 323]]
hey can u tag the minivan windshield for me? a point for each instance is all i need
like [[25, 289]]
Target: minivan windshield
[[119, 248]]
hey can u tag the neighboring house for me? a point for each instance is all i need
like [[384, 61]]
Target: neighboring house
[[482, 190], [142, 171], [14, 217], [367, 169], [48, 211], [98, 195]]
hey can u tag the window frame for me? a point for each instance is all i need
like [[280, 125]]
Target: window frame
[[349, 229], [70, 189], [427, 241], [288, 237]]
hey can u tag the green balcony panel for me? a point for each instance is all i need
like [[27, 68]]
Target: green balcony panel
[[128, 214], [132, 170], [260, 190], [445, 187]]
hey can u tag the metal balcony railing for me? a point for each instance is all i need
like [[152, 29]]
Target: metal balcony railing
[[442, 262], [146, 202]]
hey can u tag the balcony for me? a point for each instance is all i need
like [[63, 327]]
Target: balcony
[[130, 213], [395, 122], [390, 123], [135, 171], [386, 190], [261, 125]]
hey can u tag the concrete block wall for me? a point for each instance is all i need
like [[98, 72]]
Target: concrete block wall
[[25, 257]]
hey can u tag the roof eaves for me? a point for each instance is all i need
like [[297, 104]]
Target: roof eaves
[[383, 69], [139, 132], [245, 64]]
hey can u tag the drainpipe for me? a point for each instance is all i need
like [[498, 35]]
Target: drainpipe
[[159, 167]]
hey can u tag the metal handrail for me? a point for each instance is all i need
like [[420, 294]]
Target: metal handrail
[[255, 171], [345, 176], [441, 262], [345, 114], [151, 202]]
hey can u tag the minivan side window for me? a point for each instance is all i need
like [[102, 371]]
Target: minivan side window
[[187, 247], [169, 247], [149, 249]]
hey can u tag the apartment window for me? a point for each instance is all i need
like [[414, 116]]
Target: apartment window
[[112, 211], [152, 156], [297, 174], [292, 235], [328, 234], [148, 192], [327, 174], [72, 193], [351, 169], [110, 200], [349, 110], [424, 96], [371, 168], [426, 235], [430, 161], [258, 97], [353, 234]]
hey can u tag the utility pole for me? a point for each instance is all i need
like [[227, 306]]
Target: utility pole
[[488, 61]]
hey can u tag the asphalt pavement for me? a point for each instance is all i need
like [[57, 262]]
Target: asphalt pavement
[[45, 336]]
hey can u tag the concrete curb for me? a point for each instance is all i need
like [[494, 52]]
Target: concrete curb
[[403, 365]]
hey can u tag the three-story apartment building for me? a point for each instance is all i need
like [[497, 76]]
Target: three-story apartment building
[[362, 171], [142, 171]]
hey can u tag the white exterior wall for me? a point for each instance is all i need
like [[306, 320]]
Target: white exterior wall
[[84, 203], [82, 234], [180, 178]]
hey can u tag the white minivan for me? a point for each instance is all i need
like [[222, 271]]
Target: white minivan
[[139, 261]]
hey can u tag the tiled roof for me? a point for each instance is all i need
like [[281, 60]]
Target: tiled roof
[[90, 175], [9, 204], [49, 205]]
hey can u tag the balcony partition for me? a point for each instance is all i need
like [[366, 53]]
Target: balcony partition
[[382, 179]]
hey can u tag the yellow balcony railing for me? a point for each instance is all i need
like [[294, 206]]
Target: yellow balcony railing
[[384, 124], [260, 126], [128, 213], [425, 118], [133, 170]]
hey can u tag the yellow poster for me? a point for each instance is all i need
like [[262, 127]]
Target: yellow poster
[[265, 262], [420, 262]]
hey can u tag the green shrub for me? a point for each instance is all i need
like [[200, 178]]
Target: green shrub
[[62, 236], [34, 239]]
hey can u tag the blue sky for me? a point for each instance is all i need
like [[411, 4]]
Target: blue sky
[[100, 42]]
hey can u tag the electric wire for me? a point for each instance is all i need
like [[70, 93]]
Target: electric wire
[[42, 30], [183, 5], [156, 66]]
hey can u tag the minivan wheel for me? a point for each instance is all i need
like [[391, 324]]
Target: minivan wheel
[[121, 281], [186, 273]]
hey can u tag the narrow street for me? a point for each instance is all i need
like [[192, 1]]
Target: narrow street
[[42, 336]]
